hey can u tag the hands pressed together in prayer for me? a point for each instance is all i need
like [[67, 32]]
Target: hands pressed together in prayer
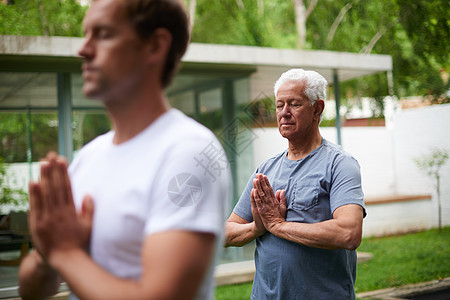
[[55, 225], [268, 208]]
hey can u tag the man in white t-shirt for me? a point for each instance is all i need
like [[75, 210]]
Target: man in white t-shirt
[[147, 199]]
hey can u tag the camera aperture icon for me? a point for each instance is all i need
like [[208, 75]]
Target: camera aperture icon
[[184, 189]]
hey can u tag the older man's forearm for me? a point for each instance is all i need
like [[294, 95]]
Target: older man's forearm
[[344, 231], [238, 234]]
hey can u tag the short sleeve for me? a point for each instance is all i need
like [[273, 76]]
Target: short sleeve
[[346, 183], [244, 207], [192, 191]]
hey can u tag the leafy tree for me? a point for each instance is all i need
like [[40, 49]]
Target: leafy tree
[[301, 15], [415, 33], [427, 26], [42, 17], [384, 27], [245, 22], [431, 164]]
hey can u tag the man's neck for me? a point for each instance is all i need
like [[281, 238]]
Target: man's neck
[[301, 148], [130, 117]]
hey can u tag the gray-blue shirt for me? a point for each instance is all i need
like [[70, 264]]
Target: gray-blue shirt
[[316, 185]]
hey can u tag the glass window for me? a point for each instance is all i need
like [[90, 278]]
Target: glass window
[[28, 130]]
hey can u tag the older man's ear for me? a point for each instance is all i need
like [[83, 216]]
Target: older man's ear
[[319, 106]]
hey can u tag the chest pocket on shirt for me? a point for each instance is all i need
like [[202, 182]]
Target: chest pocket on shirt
[[306, 195]]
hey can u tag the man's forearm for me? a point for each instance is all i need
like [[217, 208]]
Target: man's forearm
[[238, 234], [317, 235], [342, 232], [88, 280], [37, 280], [169, 259]]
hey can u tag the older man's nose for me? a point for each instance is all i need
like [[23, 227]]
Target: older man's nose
[[285, 111]]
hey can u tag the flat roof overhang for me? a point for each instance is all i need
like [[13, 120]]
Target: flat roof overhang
[[209, 61]]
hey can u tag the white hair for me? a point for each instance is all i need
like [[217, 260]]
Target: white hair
[[316, 84]]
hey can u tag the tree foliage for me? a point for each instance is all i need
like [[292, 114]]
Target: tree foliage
[[241, 22], [427, 24], [414, 33], [42, 17], [432, 164], [43, 129], [14, 129]]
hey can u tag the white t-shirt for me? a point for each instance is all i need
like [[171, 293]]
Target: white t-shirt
[[173, 175]]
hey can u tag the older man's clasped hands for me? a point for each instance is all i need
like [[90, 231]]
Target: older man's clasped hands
[[268, 208]]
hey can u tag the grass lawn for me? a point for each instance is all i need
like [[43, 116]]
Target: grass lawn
[[397, 260]]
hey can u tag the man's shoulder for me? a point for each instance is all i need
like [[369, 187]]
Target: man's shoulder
[[100, 141], [268, 163], [177, 135], [184, 127], [335, 150], [93, 146], [336, 155]]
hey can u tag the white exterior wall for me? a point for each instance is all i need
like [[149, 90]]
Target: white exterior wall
[[398, 217], [386, 157], [371, 146], [416, 131]]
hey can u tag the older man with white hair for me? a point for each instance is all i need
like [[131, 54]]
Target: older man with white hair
[[304, 206]]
